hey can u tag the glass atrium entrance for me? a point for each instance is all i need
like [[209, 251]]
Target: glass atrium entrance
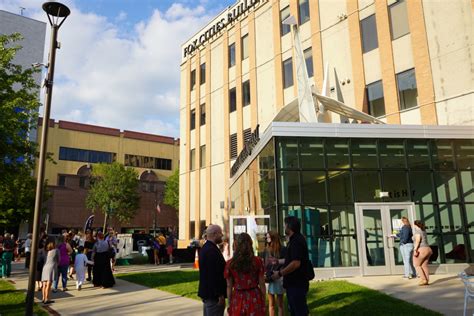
[[351, 184]]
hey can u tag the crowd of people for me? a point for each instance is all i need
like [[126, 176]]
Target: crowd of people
[[88, 256], [241, 279]]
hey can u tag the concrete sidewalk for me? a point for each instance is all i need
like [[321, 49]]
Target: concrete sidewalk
[[445, 294], [124, 298]]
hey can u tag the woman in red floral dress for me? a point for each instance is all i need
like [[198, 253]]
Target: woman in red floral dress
[[245, 280]]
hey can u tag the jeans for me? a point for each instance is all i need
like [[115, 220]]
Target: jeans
[[407, 254], [62, 272], [212, 308], [7, 257], [297, 301]]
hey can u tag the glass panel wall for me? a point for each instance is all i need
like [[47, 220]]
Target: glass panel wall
[[319, 180]]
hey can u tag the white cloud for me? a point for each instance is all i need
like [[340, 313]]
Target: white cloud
[[129, 82]]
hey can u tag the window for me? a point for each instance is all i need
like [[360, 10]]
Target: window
[[285, 13], [246, 93], [202, 156], [308, 58], [376, 99], [232, 100], [233, 146], [398, 19], [287, 73], [193, 119], [232, 55], [147, 162], [192, 84], [407, 91], [245, 46], [368, 29], [202, 78], [192, 159], [92, 156], [303, 11], [202, 121], [61, 181]]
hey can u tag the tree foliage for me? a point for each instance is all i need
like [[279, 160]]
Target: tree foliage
[[172, 190], [19, 101], [114, 191]]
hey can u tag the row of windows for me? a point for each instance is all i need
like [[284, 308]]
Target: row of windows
[[342, 153], [84, 155], [147, 162], [202, 158], [288, 68], [245, 96], [202, 118], [341, 187], [202, 78], [407, 93], [303, 16], [398, 26]]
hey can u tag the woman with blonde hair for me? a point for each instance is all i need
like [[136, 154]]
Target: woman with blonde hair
[[274, 258], [50, 271], [421, 252], [245, 280]]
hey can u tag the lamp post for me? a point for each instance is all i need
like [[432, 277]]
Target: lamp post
[[55, 12]]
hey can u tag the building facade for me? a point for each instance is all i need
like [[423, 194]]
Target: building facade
[[76, 147], [32, 51], [405, 62]]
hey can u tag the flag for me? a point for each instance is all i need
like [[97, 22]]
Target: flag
[[158, 209], [89, 223]]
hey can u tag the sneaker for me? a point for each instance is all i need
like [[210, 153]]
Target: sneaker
[[79, 288], [410, 277], [423, 282], [65, 289], [55, 290]]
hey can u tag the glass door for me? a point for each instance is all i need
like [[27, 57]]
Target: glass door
[[378, 226]]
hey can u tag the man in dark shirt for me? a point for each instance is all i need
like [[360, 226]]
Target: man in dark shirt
[[295, 271], [212, 285]]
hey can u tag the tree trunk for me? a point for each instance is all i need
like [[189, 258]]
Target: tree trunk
[[105, 221]]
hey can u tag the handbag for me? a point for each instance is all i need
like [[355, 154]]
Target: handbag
[[269, 273]]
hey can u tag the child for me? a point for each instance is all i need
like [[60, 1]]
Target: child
[[80, 264]]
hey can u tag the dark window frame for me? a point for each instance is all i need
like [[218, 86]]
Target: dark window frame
[[246, 93], [290, 82], [308, 16], [192, 82], [202, 119], [232, 100], [192, 119], [202, 73], [367, 44], [231, 55]]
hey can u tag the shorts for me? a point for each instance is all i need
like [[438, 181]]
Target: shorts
[[169, 250]]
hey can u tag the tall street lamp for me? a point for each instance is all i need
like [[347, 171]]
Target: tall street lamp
[[57, 14]]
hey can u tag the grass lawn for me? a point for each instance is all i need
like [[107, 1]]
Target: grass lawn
[[324, 298], [12, 301]]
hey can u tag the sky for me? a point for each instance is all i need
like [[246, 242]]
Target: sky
[[118, 65]]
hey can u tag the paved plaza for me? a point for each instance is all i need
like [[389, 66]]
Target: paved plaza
[[445, 294]]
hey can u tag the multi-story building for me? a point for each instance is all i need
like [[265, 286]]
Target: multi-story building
[[246, 163], [76, 147], [32, 51]]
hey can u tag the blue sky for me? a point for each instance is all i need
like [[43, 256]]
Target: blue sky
[[118, 65]]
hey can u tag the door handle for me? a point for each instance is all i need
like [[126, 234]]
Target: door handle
[[390, 241]]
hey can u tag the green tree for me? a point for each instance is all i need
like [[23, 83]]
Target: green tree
[[172, 190], [114, 191], [19, 102]]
